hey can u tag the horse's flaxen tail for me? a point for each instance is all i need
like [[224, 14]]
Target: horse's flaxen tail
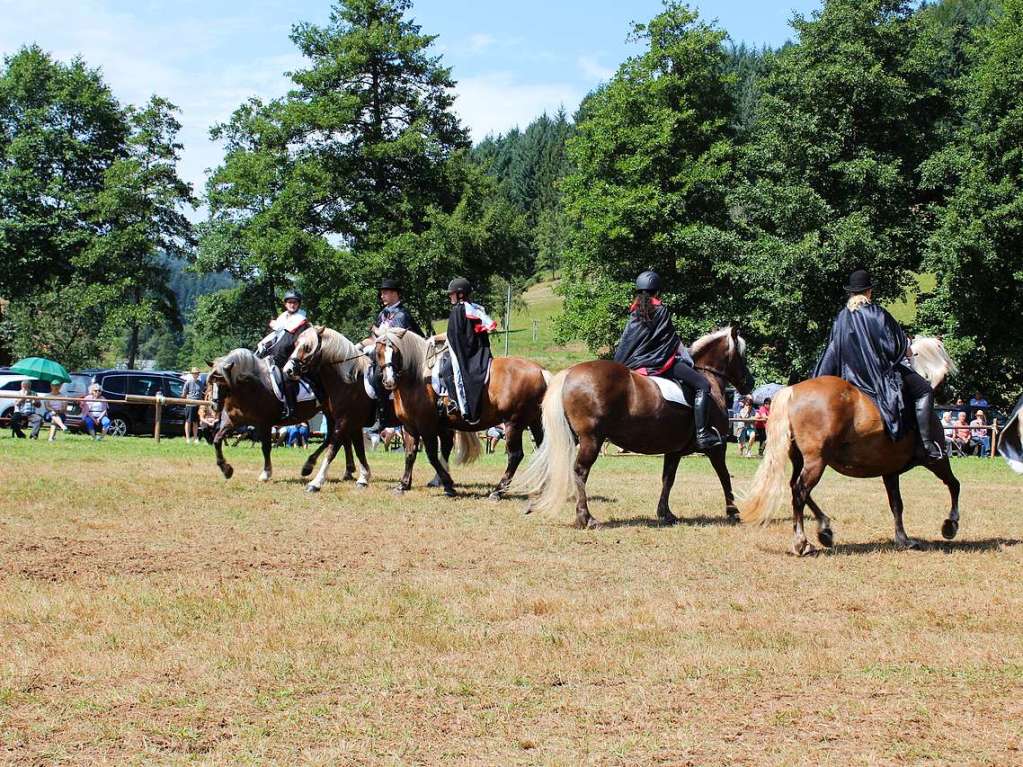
[[770, 484], [467, 447], [549, 479]]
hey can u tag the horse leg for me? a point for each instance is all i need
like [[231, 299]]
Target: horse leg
[[411, 442], [891, 486], [824, 532], [805, 476], [349, 460], [536, 429], [447, 444], [360, 452], [717, 460], [264, 439], [332, 445], [218, 445], [589, 449], [513, 435], [328, 437], [667, 480], [431, 444], [943, 471]]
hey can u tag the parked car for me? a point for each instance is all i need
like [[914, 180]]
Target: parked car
[[130, 418]]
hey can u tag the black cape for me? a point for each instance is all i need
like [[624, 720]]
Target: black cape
[[397, 316], [647, 347], [1010, 441], [471, 351], [865, 348]]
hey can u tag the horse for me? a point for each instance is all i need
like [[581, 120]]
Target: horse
[[512, 397], [826, 422], [347, 406], [603, 400], [239, 393]]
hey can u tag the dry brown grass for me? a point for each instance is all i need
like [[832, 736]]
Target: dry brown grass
[[152, 613]]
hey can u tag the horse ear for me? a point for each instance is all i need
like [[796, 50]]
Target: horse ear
[[319, 329], [209, 364], [735, 332], [227, 366], [400, 332]]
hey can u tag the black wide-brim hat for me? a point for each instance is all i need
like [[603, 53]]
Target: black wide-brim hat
[[858, 282], [387, 284]]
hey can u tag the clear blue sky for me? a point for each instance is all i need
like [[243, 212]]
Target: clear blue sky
[[512, 60]]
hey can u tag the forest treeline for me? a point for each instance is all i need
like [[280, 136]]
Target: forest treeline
[[886, 135]]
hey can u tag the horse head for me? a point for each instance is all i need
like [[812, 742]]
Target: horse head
[[723, 353], [306, 354], [389, 360]]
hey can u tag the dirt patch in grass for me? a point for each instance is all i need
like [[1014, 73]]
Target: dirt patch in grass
[[152, 613]]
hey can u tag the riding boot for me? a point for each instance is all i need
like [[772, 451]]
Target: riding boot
[[924, 408], [381, 421], [290, 399], [706, 438]]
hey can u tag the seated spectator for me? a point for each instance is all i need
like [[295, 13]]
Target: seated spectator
[[960, 407], [947, 425], [978, 400], [391, 438], [298, 435], [961, 432], [54, 412], [494, 435], [760, 425], [95, 412], [25, 413], [980, 437]]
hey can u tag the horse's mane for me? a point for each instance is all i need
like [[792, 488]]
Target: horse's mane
[[705, 342], [415, 351], [931, 360], [245, 367], [336, 349]]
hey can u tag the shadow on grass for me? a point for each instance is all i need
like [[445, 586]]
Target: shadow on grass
[[700, 521], [981, 545]]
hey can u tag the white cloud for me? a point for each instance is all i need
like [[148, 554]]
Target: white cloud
[[495, 102], [593, 70], [480, 42]]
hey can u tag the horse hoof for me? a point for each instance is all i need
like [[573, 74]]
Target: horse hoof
[[228, 472], [450, 492], [528, 509], [348, 478], [732, 512], [803, 549], [435, 482], [495, 496], [910, 544], [826, 538], [264, 477], [399, 490], [667, 519], [307, 469], [361, 485], [593, 524], [312, 489], [949, 529]]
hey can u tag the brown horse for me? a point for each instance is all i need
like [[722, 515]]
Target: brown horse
[[348, 408], [240, 394], [828, 422], [512, 397], [603, 400]]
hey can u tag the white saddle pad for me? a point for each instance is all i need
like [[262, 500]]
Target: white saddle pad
[[304, 392], [671, 390], [370, 391]]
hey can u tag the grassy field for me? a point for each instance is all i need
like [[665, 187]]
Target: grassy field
[[152, 613]]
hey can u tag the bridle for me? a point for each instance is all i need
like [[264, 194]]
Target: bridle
[[303, 364], [389, 361]]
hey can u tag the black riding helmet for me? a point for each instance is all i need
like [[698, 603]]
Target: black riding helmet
[[460, 285], [292, 294], [649, 281]]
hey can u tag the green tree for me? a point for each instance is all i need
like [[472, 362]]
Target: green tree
[[976, 249], [61, 129], [830, 175], [652, 156], [140, 223], [342, 181]]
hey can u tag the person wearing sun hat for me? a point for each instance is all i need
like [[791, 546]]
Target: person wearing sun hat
[[192, 390], [869, 349]]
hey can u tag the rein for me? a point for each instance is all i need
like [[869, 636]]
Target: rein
[[714, 371]]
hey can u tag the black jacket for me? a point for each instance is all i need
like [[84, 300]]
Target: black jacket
[[866, 347], [397, 316], [650, 347]]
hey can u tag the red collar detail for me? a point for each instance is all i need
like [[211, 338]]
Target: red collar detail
[[635, 304]]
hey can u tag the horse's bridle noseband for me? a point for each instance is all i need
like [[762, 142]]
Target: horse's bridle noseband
[[389, 361]]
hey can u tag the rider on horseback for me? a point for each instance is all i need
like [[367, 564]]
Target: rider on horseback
[[651, 347], [393, 315], [470, 358], [280, 343], [870, 350]]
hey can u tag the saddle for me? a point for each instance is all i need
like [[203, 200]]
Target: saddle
[[673, 391], [305, 391]]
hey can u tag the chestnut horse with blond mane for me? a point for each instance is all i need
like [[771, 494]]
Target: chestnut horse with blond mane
[[828, 422], [603, 400]]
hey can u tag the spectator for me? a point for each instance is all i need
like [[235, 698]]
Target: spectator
[[54, 412], [960, 406], [25, 412], [494, 435], [744, 431], [94, 412], [978, 400], [947, 425], [192, 390], [298, 435], [760, 425], [981, 437], [961, 432]]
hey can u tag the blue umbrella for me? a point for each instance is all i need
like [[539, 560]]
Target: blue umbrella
[[764, 392]]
